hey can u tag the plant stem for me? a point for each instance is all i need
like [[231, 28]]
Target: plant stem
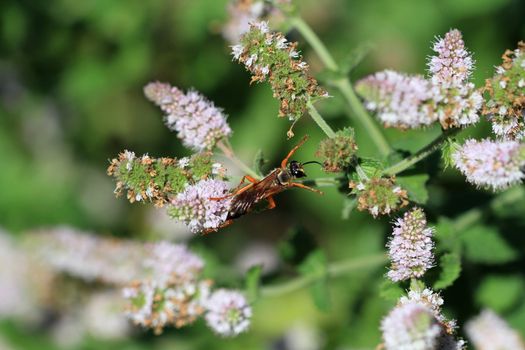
[[335, 269], [343, 85], [421, 154], [227, 151], [319, 120]]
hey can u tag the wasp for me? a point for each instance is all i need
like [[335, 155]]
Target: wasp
[[246, 196]]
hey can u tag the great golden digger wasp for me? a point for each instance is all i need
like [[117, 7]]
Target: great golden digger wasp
[[246, 196]]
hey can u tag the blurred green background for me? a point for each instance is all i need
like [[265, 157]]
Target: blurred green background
[[71, 78]]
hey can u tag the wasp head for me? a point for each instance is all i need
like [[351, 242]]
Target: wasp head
[[296, 169]]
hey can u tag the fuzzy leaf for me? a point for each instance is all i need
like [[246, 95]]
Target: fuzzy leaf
[[485, 245], [355, 57], [450, 264], [371, 166], [258, 162], [252, 282], [349, 205], [415, 186], [315, 267]]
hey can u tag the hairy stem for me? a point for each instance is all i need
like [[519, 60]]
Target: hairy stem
[[343, 85], [335, 269], [228, 152], [319, 120], [421, 154]]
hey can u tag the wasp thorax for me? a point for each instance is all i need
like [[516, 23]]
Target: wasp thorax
[[283, 177]]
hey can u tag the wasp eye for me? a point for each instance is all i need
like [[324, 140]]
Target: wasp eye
[[296, 169]]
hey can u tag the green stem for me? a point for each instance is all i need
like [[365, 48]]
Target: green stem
[[319, 120], [335, 269], [343, 85], [322, 181], [227, 151], [421, 154]]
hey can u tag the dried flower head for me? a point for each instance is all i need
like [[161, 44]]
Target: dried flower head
[[413, 326], [157, 180], [198, 205], [177, 303], [379, 195], [506, 106], [269, 56], [491, 164], [410, 247], [488, 331], [170, 290], [228, 313], [198, 123], [400, 100], [338, 151]]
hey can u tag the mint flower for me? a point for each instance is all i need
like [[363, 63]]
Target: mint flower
[[412, 326], [506, 106], [488, 331], [269, 56], [453, 65], [157, 180], [228, 313], [400, 100], [198, 123], [410, 248], [379, 195], [196, 208], [491, 164]]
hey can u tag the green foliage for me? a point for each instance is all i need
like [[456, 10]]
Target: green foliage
[[415, 185], [252, 282], [313, 267], [500, 293], [484, 244], [390, 291], [450, 265]]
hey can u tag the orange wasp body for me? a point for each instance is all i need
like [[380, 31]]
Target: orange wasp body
[[244, 197]]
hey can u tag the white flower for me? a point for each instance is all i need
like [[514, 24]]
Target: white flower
[[228, 313]]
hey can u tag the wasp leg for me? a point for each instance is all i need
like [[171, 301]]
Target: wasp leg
[[285, 160], [223, 225], [234, 193], [271, 202], [246, 177], [295, 184]]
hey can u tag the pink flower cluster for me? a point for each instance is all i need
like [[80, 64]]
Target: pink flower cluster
[[198, 123]]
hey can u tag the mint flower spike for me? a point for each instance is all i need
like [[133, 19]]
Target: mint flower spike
[[457, 101], [196, 208], [171, 291], [410, 248], [453, 65], [400, 100], [158, 180], [270, 57], [228, 313], [198, 123], [488, 331], [413, 326], [491, 164], [506, 106]]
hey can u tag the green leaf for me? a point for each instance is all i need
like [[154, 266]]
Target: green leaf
[[371, 166], [252, 282], [315, 267], [258, 162], [355, 57], [390, 291], [447, 150], [500, 293], [450, 264], [485, 245], [415, 186]]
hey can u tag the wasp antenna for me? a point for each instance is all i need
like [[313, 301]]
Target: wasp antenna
[[313, 162]]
